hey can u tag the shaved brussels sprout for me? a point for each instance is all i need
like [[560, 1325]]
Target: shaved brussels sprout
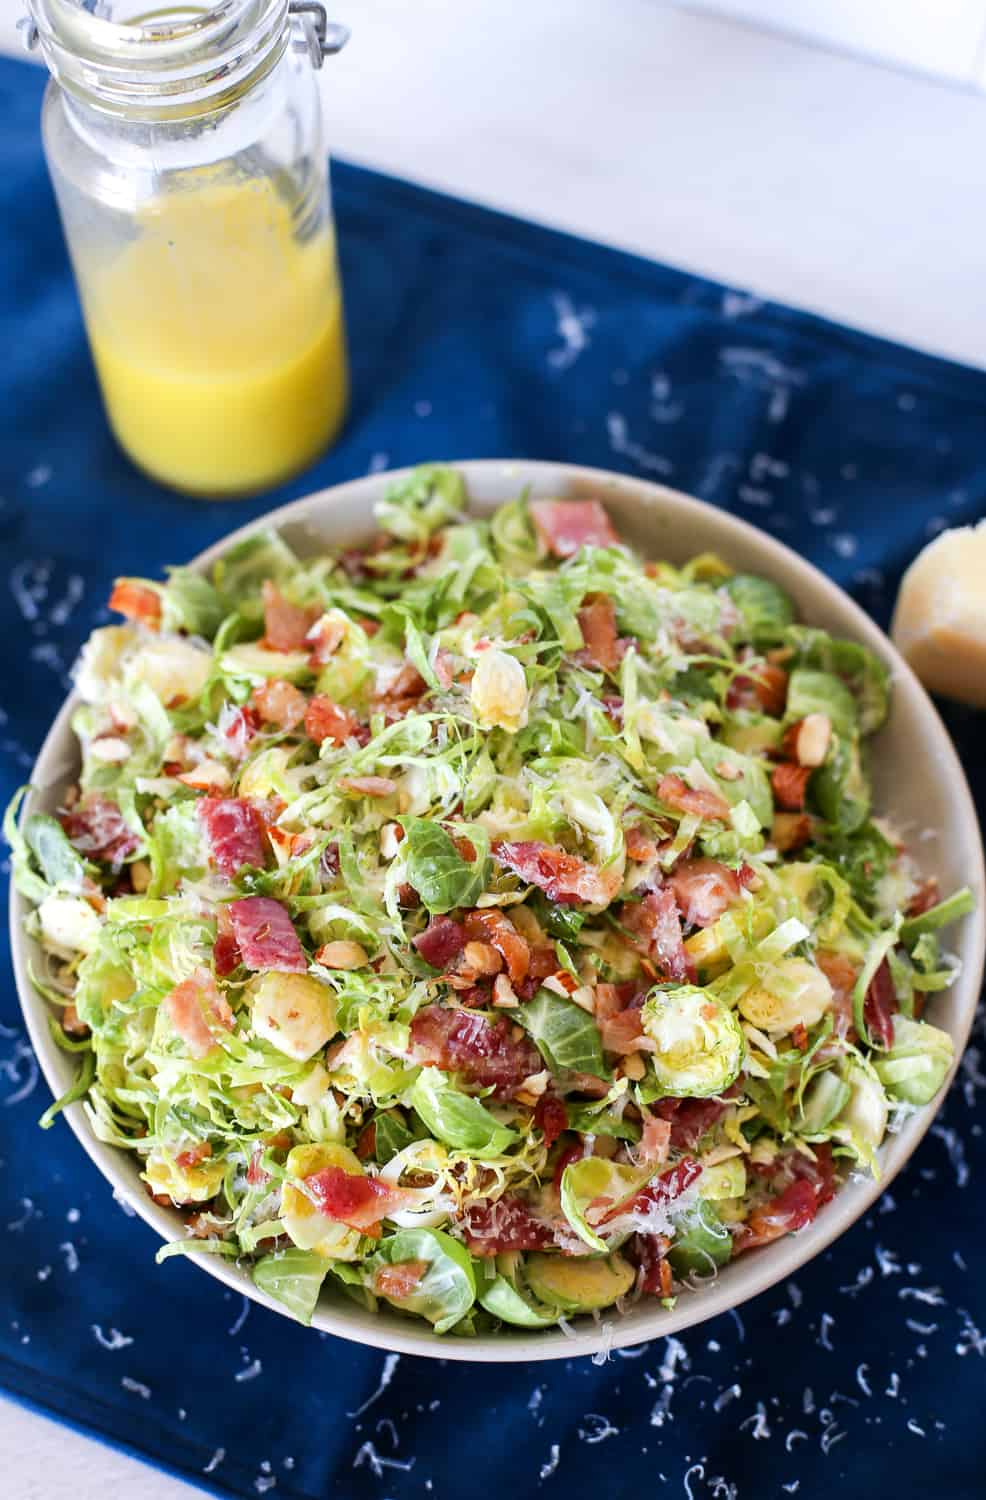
[[456, 1118], [839, 789], [790, 992], [507, 1300], [765, 609], [700, 1046], [701, 1241], [444, 1286], [811, 692], [575, 1283], [596, 1181], [294, 1278], [918, 1062]]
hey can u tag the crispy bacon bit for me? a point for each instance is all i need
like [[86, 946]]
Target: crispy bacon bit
[[562, 876], [648, 1252], [266, 937], [690, 1119], [495, 927], [791, 831], [189, 1005], [639, 846], [367, 786], [280, 702], [597, 621], [765, 688], [790, 782], [670, 1185], [225, 954], [359, 1201], [621, 1033], [880, 1005], [484, 1052], [507, 1224], [564, 526], [655, 926], [701, 801], [195, 1154], [796, 1204], [402, 690], [655, 1140], [704, 889], [551, 1118], [237, 727], [442, 941], [235, 831], [286, 625], [325, 720], [137, 602], [841, 975], [398, 1281], [324, 639], [799, 1036], [95, 827], [925, 897]]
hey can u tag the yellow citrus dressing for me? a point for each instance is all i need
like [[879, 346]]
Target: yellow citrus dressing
[[218, 339]]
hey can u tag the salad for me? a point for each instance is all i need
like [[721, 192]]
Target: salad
[[483, 921]]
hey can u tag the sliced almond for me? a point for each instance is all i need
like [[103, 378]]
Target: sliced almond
[[811, 738], [208, 776], [342, 954]]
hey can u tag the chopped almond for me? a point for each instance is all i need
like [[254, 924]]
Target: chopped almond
[[807, 742]]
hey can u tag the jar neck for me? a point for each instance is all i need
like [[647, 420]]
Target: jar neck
[[173, 63]]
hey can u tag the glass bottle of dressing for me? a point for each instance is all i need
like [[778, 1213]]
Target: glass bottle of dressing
[[185, 147]]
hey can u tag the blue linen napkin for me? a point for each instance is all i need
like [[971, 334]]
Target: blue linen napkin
[[476, 334]]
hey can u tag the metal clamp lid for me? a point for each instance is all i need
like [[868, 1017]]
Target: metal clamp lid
[[324, 38]]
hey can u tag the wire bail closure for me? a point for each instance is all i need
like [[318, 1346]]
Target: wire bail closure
[[324, 38]]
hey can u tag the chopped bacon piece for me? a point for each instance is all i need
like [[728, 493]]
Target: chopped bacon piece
[[235, 831], [495, 927], [639, 846], [367, 786], [195, 1154], [704, 889], [670, 1185], [359, 1201], [812, 1186], [280, 702], [266, 937], [621, 1033], [564, 526], [95, 827], [137, 602], [286, 625], [442, 941], [507, 1224], [880, 1005], [225, 954], [400, 1280], [191, 1006], [765, 688], [325, 720], [551, 1118], [484, 1052], [237, 727], [924, 898], [690, 1119], [324, 639], [790, 782], [655, 1141], [562, 876], [841, 975], [655, 925], [701, 801], [649, 1252], [402, 690], [597, 621]]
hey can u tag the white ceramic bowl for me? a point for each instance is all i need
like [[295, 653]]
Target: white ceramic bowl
[[919, 784]]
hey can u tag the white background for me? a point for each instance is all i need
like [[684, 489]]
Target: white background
[[847, 186]]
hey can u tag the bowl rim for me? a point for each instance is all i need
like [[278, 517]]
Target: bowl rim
[[389, 1331]]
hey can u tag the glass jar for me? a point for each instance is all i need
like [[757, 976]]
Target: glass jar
[[185, 147]]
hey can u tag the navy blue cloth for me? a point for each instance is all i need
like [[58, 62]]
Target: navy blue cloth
[[477, 335]]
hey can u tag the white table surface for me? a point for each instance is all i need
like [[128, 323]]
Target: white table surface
[[801, 174]]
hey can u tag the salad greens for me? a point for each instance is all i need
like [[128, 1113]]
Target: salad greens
[[483, 922]]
